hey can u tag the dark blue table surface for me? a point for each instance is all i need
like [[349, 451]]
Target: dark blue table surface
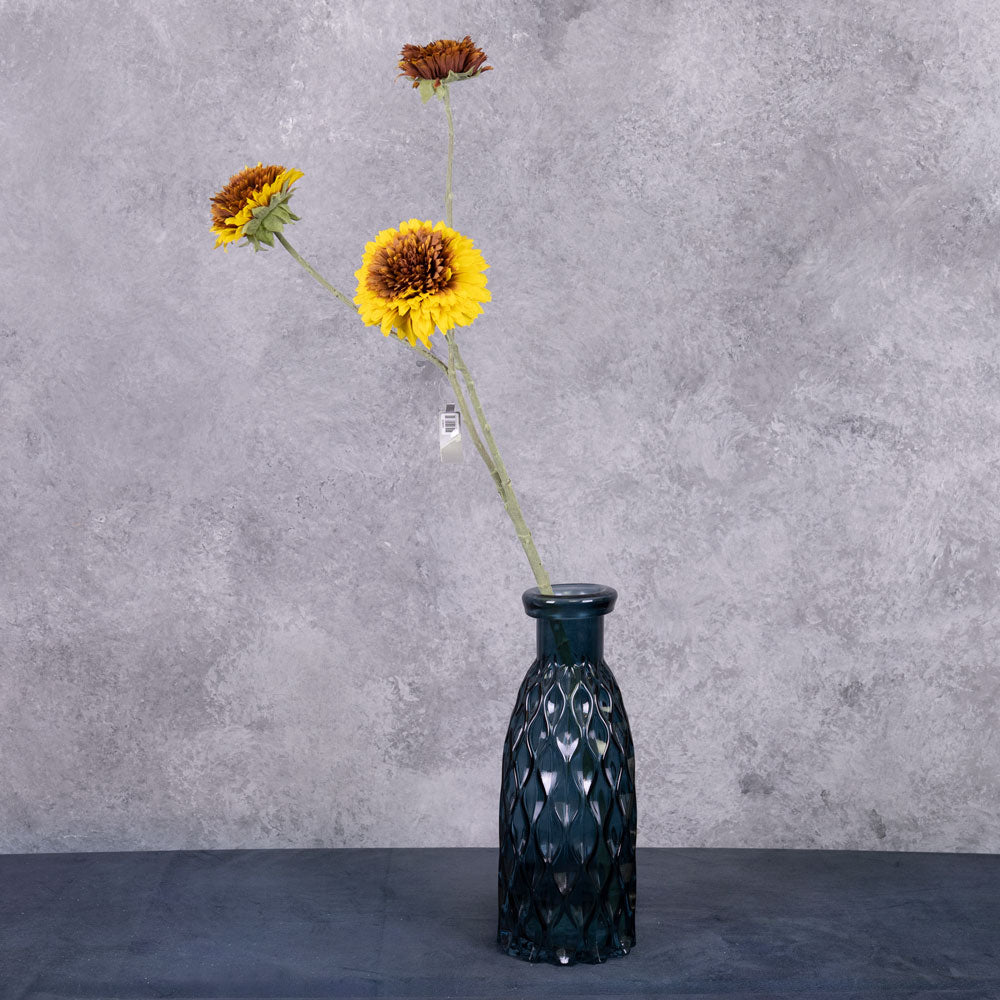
[[422, 923]]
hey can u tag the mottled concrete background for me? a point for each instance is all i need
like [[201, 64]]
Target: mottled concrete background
[[742, 360]]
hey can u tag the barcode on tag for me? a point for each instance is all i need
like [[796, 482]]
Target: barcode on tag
[[450, 434]]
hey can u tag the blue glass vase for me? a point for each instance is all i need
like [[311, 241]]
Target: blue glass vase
[[567, 798]]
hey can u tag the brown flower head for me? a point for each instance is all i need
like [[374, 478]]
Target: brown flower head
[[414, 262], [443, 61]]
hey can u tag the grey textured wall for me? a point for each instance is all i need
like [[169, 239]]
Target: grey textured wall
[[742, 360]]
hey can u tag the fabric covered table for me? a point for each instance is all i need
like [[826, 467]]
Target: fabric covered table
[[422, 923]]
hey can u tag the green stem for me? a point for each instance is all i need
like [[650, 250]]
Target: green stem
[[446, 97], [419, 348], [319, 277], [511, 505], [505, 486], [455, 363], [468, 422]]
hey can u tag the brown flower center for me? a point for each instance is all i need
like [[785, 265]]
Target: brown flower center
[[237, 192], [412, 263], [437, 59]]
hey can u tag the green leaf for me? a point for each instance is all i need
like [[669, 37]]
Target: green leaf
[[427, 89], [452, 76]]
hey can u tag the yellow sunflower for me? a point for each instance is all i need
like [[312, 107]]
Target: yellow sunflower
[[254, 204], [418, 278]]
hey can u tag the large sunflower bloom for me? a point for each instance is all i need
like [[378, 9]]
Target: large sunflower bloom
[[254, 204], [418, 278]]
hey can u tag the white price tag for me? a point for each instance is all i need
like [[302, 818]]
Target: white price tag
[[450, 434]]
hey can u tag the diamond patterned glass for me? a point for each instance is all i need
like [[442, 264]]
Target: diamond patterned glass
[[567, 796]]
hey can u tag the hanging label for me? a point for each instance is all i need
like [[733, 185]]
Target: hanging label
[[450, 434]]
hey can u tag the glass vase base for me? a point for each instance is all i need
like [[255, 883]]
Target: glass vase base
[[529, 951]]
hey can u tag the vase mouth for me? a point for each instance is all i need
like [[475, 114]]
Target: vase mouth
[[570, 600]]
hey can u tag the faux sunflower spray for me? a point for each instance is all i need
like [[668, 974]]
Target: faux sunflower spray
[[419, 280], [566, 866]]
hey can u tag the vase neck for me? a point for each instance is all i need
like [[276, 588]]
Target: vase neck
[[579, 640]]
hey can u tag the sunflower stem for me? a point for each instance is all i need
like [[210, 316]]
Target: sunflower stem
[[429, 355], [468, 422], [504, 484], [419, 348], [319, 277], [448, 198], [497, 469]]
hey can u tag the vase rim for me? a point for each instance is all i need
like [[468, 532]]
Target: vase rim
[[570, 600]]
